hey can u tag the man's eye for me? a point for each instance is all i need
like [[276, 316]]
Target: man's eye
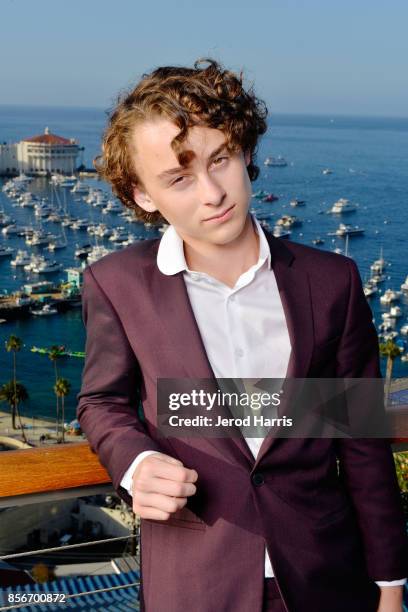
[[220, 159], [180, 178]]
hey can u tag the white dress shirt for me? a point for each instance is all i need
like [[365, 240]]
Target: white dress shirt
[[241, 327]]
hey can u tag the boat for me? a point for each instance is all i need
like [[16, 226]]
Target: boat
[[280, 232], [327, 171], [98, 252], [80, 187], [342, 206], [83, 251], [296, 202], [9, 230], [61, 351], [6, 251], [112, 206], [370, 289], [289, 221], [80, 224], [270, 197], [318, 240], [276, 162], [404, 330], [22, 258], [44, 311], [259, 195], [46, 267], [377, 267], [404, 286], [390, 296], [347, 230], [394, 313]]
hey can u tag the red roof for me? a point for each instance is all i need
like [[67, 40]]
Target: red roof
[[51, 139]]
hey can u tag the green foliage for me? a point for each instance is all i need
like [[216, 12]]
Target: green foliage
[[401, 465]]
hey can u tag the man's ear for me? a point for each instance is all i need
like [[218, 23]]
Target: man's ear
[[143, 200], [247, 156]]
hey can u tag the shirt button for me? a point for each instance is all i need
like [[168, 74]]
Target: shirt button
[[195, 276], [232, 298], [257, 479], [239, 352]]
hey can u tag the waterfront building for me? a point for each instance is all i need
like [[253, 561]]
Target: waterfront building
[[40, 155], [75, 276]]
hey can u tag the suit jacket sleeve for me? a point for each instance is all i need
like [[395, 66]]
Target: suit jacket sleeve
[[109, 396], [367, 465]]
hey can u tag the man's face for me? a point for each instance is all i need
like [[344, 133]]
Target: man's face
[[208, 200]]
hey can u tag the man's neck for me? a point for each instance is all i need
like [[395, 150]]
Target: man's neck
[[225, 262]]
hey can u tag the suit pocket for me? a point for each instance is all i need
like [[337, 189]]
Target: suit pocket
[[333, 517], [183, 518]]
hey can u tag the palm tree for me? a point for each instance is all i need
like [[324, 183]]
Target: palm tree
[[54, 354], [13, 345], [13, 393], [62, 388], [391, 351]]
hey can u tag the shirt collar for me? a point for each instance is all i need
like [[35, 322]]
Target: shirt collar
[[170, 256]]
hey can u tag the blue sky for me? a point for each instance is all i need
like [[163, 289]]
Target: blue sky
[[311, 56]]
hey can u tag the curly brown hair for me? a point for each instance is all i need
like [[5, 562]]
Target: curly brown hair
[[209, 96]]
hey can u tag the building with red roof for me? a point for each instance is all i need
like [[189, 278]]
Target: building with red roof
[[43, 154]]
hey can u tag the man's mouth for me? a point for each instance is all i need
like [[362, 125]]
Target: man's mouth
[[220, 215]]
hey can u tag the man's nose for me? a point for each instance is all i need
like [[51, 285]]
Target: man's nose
[[210, 191]]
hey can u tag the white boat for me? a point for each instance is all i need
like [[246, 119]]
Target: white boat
[[6, 251], [342, 206], [347, 230], [327, 171], [80, 187], [68, 181], [44, 311], [39, 238], [289, 221], [390, 296], [276, 162], [55, 245], [9, 230], [46, 267], [21, 259], [394, 313], [296, 202], [404, 286], [98, 252], [34, 261], [112, 206], [377, 267], [280, 232], [119, 234], [404, 330], [80, 224], [370, 289]]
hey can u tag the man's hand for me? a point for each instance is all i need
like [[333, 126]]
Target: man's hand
[[390, 599], [161, 485]]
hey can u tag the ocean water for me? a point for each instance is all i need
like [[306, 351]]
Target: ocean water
[[369, 160]]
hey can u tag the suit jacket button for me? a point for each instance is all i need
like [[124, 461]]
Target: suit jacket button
[[257, 479]]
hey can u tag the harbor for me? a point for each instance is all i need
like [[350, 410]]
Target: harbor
[[54, 224]]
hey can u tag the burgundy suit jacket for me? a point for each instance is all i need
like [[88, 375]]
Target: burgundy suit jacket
[[329, 535]]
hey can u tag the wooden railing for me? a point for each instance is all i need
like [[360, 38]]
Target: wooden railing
[[73, 470], [58, 471]]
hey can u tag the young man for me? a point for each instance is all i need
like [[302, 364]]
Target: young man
[[235, 525]]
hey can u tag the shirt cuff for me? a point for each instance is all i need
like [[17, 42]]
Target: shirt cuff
[[127, 480], [385, 583]]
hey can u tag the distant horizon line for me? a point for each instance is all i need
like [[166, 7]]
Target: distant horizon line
[[274, 112]]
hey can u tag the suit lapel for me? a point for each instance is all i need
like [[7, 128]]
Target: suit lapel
[[294, 290]]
